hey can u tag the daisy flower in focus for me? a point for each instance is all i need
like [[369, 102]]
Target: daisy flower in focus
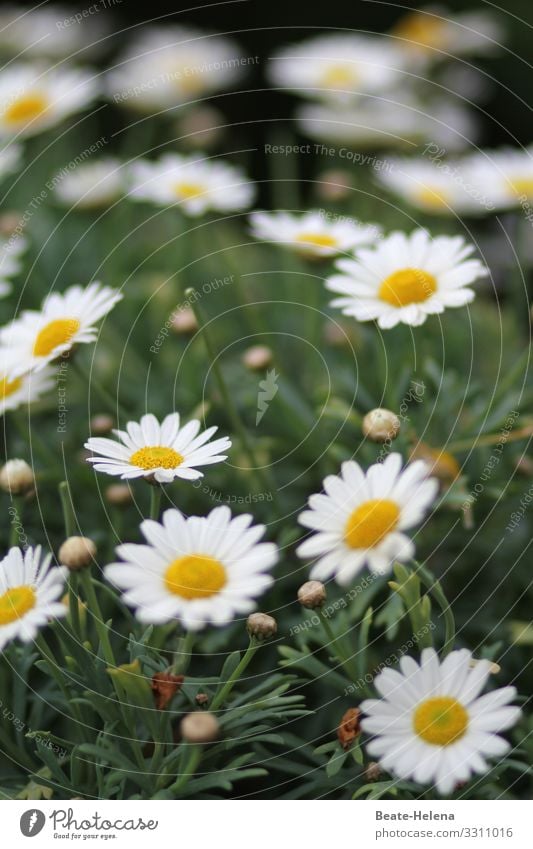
[[163, 450], [431, 725], [430, 34], [65, 320], [168, 66], [361, 518], [48, 31], [337, 66], [199, 570], [403, 279], [92, 185], [313, 233], [29, 593], [196, 186], [18, 391], [33, 98], [11, 250]]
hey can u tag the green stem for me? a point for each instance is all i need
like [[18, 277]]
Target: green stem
[[191, 765], [184, 653], [107, 399], [334, 642], [48, 655], [94, 606], [155, 501], [437, 592], [489, 439], [221, 696], [69, 516], [16, 520]]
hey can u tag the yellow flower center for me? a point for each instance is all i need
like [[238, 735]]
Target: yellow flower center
[[339, 75], [523, 186], [369, 523], [440, 721], [195, 576], [189, 190], [15, 603], [420, 31], [8, 387], [25, 109], [156, 457], [321, 240], [432, 198], [56, 333], [408, 286]]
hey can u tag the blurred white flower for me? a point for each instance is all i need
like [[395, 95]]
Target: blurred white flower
[[312, 233], [10, 159], [50, 31], [11, 249], [19, 391], [168, 66], [32, 98], [92, 184], [506, 174], [436, 33], [405, 278], [337, 66], [195, 185]]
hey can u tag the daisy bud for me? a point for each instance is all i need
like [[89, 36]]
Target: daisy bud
[[10, 222], [349, 728], [199, 727], [201, 699], [257, 357], [184, 321], [333, 185], [118, 494], [524, 465], [335, 335], [101, 424], [77, 553], [261, 626], [312, 594], [443, 465], [164, 687], [373, 771], [16, 477], [381, 425], [202, 127]]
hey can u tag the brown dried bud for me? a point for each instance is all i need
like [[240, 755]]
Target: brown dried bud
[[261, 626], [77, 553], [201, 698], [101, 424], [119, 494], [16, 477], [199, 727], [349, 728], [184, 321], [257, 357], [373, 771], [381, 425], [165, 686], [312, 594]]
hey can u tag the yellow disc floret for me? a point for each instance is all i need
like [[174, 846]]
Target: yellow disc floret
[[319, 240], [440, 721], [15, 603], [195, 576], [8, 387], [156, 457], [408, 286], [25, 109], [57, 332], [369, 523]]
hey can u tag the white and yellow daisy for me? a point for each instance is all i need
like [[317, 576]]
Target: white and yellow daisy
[[444, 187], [92, 185], [313, 233], [506, 174], [361, 518], [11, 250], [33, 98], [29, 593], [337, 66], [65, 320], [431, 725], [198, 570], [168, 66], [163, 450], [50, 31], [403, 279], [436, 33], [19, 391], [194, 185]]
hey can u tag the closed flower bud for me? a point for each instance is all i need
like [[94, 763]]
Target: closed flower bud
[[257, 357], [333, 185], [312, 594], [16, 477], [201, 127], [261, 626], [77, 553], [10, 222], [201, 698], [101, 424], [443, 465], [184, 321], [118, 494], [199, 727], [381, 425], [373, 771], [349, 728]]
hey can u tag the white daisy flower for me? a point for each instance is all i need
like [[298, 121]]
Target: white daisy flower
[[444, 187], [18, 391], [50, 31], [361, 518], [92, 185], [33, 98], [506, 175], [168, 66], [436, 33], [337, 66], [65, 320], [10, 159], [312, 234], [11, 249], [163, 450], [195, 185], [431, 725], [403, 279], [29, 593], [199, 570]]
